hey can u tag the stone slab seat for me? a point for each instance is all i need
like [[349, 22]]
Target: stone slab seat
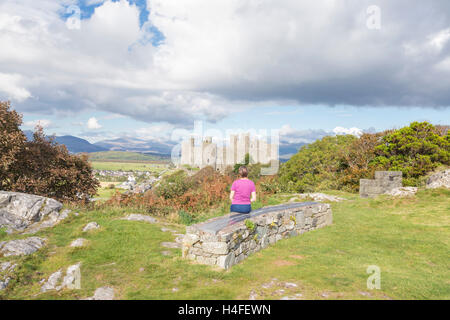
[[215, 225], [225, 241]]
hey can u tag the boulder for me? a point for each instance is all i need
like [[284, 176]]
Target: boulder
[[78, 243], [439, 180], [140, 217], [21, 247], [72, 279], [402, 192], [103, 293], [91, 226], [20, 210], [52, 282]]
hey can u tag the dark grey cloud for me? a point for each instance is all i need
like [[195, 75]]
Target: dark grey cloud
[[219, 57]]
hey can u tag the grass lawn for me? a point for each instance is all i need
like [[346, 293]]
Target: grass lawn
[[408, 239]]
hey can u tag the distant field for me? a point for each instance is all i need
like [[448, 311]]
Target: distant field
[[129, 157], [128, 166]]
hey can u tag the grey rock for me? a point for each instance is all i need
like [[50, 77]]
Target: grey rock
[[171, 245], [78, 243], [52, 282], [4, 283], [439, 180], [91, 226], [7, 267], [227, 261], [21, 247], [72, 280], [20, 210], [53, 219], [402, 192], [104, 293], [140, 217], [290, 285]]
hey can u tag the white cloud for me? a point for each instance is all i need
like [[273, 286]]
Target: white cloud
[[351, 131], [222, 56], [93, 124], [44, 123], [11, 89]]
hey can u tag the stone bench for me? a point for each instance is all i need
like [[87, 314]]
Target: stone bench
[[225, 241]]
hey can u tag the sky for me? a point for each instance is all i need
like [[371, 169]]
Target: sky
[[134, 68]]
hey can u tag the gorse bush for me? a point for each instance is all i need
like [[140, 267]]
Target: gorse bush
[[185, 217], [316, 166], [41, 166], [340, 162], [415, 150]]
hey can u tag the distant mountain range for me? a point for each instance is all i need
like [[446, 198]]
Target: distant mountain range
[[136, 145], [77, 145]]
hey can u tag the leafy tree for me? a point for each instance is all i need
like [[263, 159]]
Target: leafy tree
[[415, 150], [12, 141], [41, 166]]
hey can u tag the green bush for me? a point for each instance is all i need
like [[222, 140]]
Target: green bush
[[174, 185], [316, 166], [415, 150], [185, 217]]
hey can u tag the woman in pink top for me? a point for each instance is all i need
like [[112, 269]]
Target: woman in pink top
[[243, 193]]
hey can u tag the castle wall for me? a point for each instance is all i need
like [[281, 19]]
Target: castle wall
[[208, 153]]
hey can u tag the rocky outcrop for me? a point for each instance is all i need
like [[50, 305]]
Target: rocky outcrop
[[20, 210], [52, 220], [439, 180], [72, 279], [21, 247], [402, 192]]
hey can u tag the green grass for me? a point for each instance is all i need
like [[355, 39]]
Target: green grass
[[125, 156], [407, 238], [128, 166]]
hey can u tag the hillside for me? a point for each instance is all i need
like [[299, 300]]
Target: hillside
[[406, 238], [125, 156], [73, 144]]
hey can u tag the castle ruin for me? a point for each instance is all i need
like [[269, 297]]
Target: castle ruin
[[208, 153]]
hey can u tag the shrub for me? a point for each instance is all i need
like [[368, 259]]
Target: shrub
[[185, 217], [316, 166], [415, 150], [41, 166]]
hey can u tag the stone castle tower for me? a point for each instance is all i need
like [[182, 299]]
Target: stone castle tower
[[207, 153]]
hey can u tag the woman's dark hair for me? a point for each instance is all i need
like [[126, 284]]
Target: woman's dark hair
[[243, 172]]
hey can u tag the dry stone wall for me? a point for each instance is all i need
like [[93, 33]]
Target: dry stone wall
[[226, 241]]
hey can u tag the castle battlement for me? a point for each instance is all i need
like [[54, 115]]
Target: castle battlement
[[208, 153]]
